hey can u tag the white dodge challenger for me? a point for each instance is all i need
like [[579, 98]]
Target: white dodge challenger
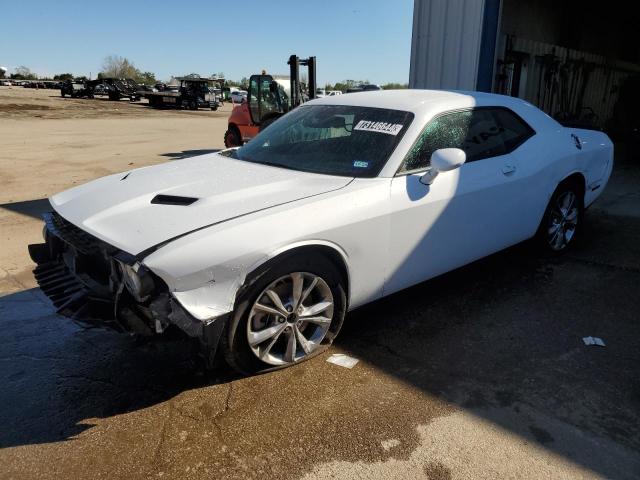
[[259, 251]]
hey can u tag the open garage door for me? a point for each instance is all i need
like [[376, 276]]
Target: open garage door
[[579, 61]]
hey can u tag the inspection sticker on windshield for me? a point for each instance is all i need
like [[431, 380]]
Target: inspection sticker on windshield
[[360, 164], [380, 127]]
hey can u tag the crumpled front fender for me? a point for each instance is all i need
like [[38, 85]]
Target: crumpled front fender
[[211, 292], [211, 300]]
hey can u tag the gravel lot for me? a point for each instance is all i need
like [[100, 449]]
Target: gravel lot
[[481, 373]]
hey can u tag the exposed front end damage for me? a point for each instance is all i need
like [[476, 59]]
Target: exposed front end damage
[[98, 285]]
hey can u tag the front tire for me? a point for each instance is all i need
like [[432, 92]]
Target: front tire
[[232, 138], [288, 312], [562, 221]]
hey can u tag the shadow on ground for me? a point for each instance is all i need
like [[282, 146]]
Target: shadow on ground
[[56, 374], [29, 208], [189, 153], [504, 335]]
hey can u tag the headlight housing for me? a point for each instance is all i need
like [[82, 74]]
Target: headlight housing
[[138, 280]]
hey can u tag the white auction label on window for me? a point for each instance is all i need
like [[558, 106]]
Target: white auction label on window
[[380, 127]]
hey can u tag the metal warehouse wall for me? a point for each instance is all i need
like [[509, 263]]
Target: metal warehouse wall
[[445, 45]]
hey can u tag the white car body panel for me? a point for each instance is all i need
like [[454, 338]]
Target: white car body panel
[[229, 251], [391, 231]]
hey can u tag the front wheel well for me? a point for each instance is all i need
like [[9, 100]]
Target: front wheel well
[[331, 254], [576, 179]]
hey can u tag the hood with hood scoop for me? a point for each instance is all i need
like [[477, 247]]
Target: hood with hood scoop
[[137, 210]]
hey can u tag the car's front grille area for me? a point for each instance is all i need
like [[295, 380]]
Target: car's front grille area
[[69, 233], [65, 290], [80, 274], [74, 299]]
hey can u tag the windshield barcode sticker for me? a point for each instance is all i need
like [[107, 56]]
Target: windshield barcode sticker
[[380, 127]]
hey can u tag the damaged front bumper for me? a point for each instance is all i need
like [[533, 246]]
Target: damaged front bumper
[[98, 285]]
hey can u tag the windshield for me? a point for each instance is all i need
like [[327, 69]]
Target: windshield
[[330, 139]]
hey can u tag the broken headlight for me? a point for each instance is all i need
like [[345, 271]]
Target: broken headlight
[[138, 280]]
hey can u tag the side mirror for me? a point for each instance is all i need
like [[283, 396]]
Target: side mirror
[[443, 160]]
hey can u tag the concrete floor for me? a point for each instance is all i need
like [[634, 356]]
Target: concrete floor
[[480, 373]]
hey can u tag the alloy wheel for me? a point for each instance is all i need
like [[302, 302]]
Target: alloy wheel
[[563, 221], [290, 318]]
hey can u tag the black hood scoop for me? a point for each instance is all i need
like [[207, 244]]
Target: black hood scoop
[[173, 200]]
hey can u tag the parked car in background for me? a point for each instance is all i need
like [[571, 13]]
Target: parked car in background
[[321, 92], [333, 93], [239, 96], [364, 88], [346, 199]]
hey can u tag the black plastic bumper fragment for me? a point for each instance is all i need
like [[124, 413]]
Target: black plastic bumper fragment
[[69, 295], [209, 333]]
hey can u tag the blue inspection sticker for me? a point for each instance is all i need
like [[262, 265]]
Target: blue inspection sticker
[[360, 164]]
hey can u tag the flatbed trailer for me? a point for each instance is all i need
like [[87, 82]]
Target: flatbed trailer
[[75, 89], [193, 94], [117, 88]]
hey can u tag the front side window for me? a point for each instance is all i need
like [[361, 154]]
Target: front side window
[[330, 139], [481, 133]]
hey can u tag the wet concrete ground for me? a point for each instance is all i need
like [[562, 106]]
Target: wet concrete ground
[[480, 373]]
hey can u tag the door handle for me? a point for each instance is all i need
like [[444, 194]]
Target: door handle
[[508, 168]]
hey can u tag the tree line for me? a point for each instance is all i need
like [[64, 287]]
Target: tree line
[[345, 85]]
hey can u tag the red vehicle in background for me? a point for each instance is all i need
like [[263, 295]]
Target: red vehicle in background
[[269, 98]]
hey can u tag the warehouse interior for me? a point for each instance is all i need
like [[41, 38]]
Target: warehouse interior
[[578, 60]]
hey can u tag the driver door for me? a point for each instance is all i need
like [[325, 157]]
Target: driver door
[[465, 214]]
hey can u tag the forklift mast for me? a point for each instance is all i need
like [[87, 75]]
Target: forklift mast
[[296, 88]]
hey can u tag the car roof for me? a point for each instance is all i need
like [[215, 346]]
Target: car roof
[[413, 100], [425, 104]]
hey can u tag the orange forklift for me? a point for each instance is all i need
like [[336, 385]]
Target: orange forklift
[[269, 98]]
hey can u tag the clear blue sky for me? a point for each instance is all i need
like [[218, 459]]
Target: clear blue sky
[[352, 39]]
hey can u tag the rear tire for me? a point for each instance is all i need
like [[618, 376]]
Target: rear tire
[[320, 281], [561, 224]]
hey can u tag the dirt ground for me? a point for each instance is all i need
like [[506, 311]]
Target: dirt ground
[[481, 373]]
